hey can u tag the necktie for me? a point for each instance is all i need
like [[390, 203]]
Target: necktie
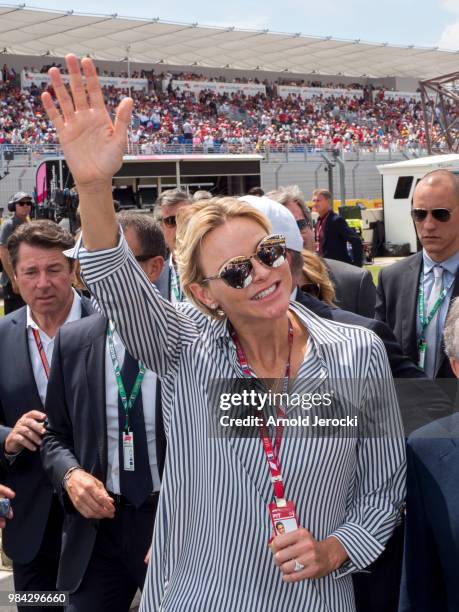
[[432, 333], [136, 485]]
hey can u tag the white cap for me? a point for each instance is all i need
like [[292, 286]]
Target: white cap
[[282, 220]]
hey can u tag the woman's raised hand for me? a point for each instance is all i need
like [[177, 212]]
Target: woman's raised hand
[[93, 145]]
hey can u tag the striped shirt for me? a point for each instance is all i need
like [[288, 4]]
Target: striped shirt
[[210, 548]]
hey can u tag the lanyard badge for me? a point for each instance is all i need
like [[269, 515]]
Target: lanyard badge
[[128, 403], [41, 351], [425, 319], [282, 511]]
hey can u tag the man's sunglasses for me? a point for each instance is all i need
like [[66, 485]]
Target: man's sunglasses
[[24, 203], [439, 214], [237, 272], [303, 224], [169, 221]]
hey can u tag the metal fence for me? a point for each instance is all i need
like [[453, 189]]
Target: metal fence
[[30, 155]]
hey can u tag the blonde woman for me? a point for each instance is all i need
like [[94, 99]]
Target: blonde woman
[[213, 523], [316, 280]]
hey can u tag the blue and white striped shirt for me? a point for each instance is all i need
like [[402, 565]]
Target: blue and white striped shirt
[[212, 526]]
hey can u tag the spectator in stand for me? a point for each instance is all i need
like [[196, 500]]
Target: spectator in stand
[[238, 122], [332, 233]]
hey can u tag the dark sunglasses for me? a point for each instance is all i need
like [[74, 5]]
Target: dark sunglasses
[[24, 203], [169, 221], [237, 272], [439, 214], [303, 224]]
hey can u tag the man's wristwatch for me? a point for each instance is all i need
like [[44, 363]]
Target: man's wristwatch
[[67, 475]]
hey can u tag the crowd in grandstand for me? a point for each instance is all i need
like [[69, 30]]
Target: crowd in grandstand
[[216, 122]]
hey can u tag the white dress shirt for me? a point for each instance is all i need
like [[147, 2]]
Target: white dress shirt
[[48, 345], [113, 434]]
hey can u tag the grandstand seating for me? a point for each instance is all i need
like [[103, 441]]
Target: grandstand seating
[[213, 122]]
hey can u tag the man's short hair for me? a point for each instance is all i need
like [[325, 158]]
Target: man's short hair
[[256, 191], [148, 232], [451, 331], [202, 194], [171, 197], [292, 193], [41, 233], [323, 192]]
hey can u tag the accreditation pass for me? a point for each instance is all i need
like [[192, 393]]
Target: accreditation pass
[[128, 451]]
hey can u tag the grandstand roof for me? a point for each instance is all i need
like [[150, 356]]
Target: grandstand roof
[[25, 31]]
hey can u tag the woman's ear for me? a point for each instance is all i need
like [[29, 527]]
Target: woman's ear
[[203, 294]]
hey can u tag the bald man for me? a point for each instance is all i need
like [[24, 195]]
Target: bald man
[[414, 294]]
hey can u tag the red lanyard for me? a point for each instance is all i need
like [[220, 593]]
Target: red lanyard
[[41, 351], [272, 454]]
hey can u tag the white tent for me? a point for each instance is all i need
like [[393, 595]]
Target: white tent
[[37, 32]]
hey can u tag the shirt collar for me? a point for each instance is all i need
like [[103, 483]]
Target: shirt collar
[[451, 264], [74, 314], [321, 330]]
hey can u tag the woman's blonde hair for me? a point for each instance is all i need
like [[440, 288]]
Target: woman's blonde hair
[[316, 279], [194, 222]]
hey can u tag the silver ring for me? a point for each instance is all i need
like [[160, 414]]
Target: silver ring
[[298, 566]]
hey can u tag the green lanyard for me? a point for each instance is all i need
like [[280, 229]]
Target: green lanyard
[[175, 285], [127, 403], [421, 307]]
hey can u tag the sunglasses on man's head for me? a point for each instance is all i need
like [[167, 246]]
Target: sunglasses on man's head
[[439, 214], [169, 221], [237, 272]]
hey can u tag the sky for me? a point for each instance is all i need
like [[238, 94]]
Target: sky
[[427, 23]]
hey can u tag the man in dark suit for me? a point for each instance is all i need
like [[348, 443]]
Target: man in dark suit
[[167, 207], [431, 561], [333, 234], [354, 287], [44, 277], [110, 501], [413, 295]]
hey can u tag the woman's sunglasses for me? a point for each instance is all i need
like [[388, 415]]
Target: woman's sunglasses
[[439, 214], [237, 272]]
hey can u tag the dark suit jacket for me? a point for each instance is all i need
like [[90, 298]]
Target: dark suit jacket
[[354, 287], [164, 281], [77, 432], [430, 577], [401, 365], [337, 234], [421, 401], [396, 301], [19, 394]]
